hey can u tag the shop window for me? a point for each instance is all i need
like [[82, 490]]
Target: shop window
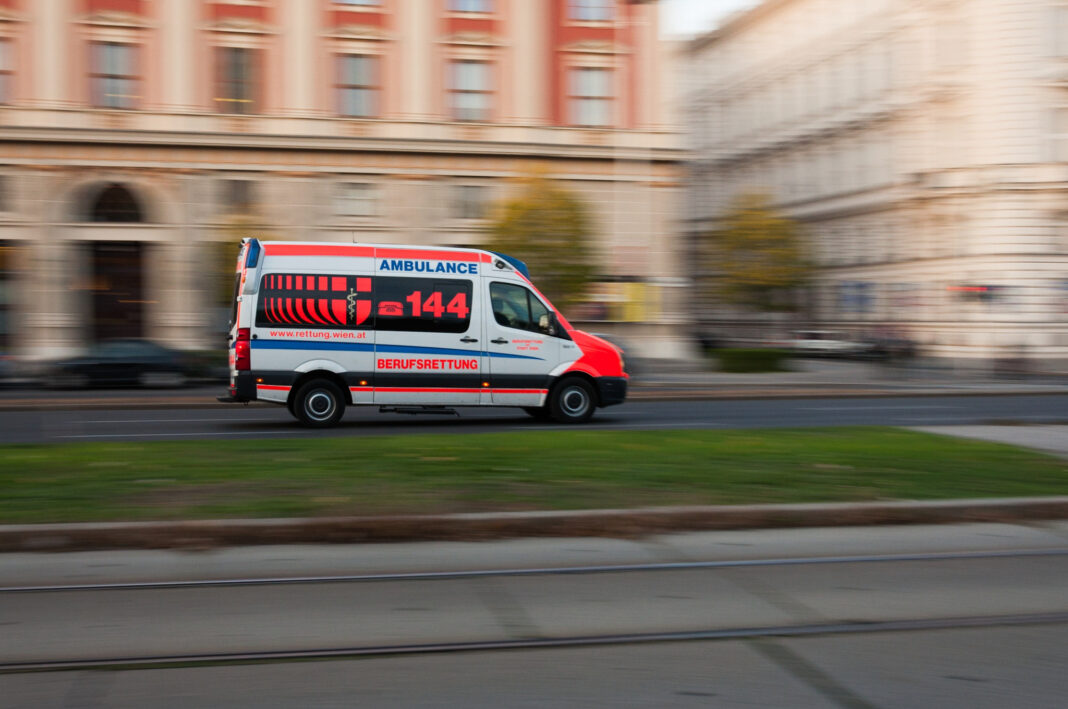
[[469, 202], [238, 196], [356, 199]]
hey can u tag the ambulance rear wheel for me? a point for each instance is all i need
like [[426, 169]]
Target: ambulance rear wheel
[[319, 404], [572, 401]]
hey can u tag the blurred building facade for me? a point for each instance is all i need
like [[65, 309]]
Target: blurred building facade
[[136, 135], [923, 146]]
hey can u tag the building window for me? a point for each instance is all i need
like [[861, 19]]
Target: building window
[[3, 194], [356, 199], [357, 85], [7, 295], [484, 6], [237, 196], [114, 75], [591, 97], [469, 202], [6, 70], [1059, 31], [469, 89], [1059, 135], [591, 10], [235, 90]]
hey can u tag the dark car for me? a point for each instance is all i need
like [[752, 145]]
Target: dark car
[[125, 362]]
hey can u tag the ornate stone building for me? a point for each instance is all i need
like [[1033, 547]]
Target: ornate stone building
[[137, 134], [923, 144]]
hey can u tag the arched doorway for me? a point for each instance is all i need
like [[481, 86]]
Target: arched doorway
[[115, 203], [116, 267]]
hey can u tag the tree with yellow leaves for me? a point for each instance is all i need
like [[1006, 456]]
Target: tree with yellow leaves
[[547, 227], [758, 256]]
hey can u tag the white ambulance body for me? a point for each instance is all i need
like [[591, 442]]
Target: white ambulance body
[[319, 326]]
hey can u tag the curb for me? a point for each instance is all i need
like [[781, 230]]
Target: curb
[[490, 526]]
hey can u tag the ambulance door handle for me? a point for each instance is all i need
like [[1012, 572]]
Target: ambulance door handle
[[499, 341], [468, 339]]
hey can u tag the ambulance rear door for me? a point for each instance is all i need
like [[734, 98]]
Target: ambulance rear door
[[313, 313]]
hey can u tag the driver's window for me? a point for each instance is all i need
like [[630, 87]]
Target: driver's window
[[540, 320], [515, 306]]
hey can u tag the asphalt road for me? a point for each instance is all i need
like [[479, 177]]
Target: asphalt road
[[240, 422], [956, 616]]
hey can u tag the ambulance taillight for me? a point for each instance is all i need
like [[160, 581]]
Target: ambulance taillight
[[242, 350]]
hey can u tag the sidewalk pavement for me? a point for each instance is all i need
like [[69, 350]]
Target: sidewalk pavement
[[653, 381], [1045, 438]]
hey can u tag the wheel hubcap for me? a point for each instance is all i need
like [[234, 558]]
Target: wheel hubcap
[[574, 402], [319, 406]]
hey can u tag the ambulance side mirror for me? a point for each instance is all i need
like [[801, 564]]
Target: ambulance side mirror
[[547, 324]]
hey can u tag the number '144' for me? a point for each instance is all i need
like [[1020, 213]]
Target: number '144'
[[433, 304]]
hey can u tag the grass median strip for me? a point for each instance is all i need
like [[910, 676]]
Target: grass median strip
[[551, 470]]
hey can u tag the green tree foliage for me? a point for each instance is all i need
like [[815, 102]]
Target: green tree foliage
[[758, 256], [546, 226]]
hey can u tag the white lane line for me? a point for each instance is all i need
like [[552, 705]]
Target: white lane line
[[613, 427], [226, 420], [876, 408], [158, 435]]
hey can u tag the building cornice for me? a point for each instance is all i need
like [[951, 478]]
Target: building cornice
[[9, 15], [291, 143], [108, 18], [364, 32], [477, 39], [594, 47], [240, 26]]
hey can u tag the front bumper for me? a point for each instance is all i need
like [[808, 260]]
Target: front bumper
[[611, 390]]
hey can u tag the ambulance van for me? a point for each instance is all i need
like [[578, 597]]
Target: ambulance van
[[321, 326]]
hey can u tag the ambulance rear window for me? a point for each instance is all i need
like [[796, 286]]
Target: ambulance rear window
[[233, 301]]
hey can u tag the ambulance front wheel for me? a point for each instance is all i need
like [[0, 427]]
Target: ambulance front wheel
[[319, 404], [572, 401]]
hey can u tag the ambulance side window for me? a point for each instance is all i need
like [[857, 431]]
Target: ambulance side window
[[515, 306]]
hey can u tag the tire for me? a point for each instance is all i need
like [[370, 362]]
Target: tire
[[540, 413], [572, 401], [319, 404]]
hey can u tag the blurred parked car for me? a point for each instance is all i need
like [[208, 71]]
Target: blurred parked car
[[129, 362], [7, 369], [825, 343], [894, 348]]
